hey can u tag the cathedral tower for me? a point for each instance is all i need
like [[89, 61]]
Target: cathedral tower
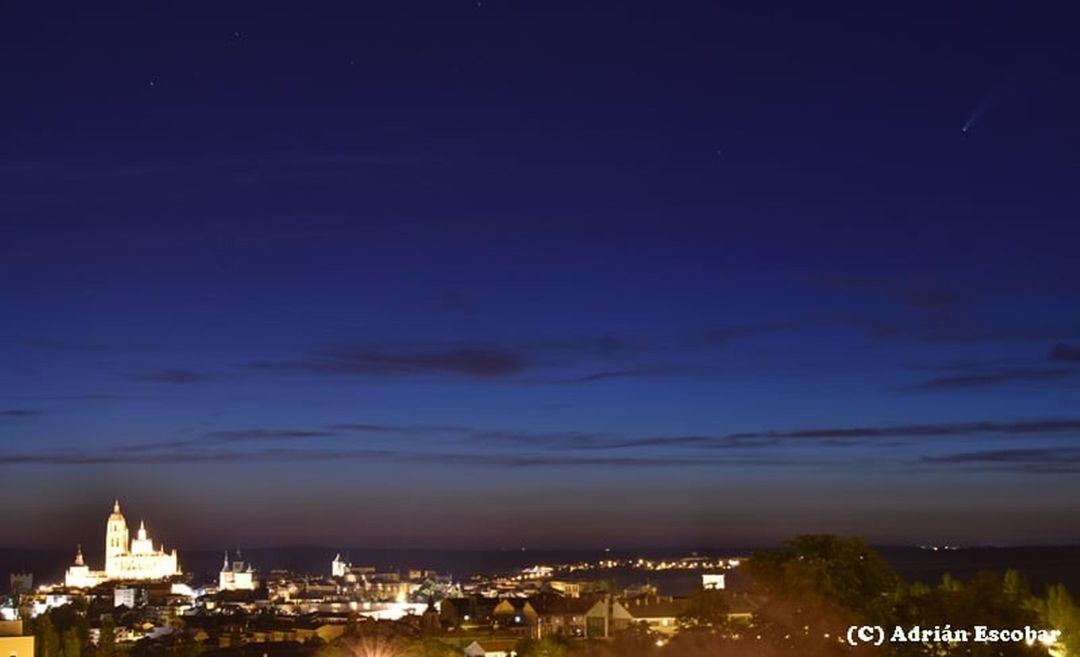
[[116, 541]]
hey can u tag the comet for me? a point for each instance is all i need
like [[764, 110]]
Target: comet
[[980, 109], [986, 104]]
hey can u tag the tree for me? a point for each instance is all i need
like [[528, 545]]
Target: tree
[[374, 639], [546, 647], [82, 630], [180, 645], [986, 599], [431, 647], [846, 572], [1016, 586], [46, 637], [1061, 612], [708, 608], [106, 646], [950, 583], [377, 645], [633, 642], [236, 636], [817, 586], [72, 643]]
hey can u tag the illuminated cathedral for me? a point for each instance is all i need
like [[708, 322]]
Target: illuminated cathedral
[[126, 558]]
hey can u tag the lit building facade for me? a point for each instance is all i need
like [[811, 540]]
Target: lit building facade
[[237, 576], [80, 576], [338, 568], [713, 581], [126, 558], [13, 640]]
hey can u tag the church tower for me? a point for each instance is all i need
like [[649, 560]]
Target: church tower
[[116, 541]]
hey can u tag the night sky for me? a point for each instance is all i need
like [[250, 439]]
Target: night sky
[[499, 274]]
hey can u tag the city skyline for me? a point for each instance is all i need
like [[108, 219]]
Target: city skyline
[[480, 275]]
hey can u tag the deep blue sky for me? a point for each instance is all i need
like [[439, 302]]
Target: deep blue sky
[[539, 273]]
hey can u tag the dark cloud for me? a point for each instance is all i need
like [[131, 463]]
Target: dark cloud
[[1042, 460], [543, 444], [920, 330], [471, 361], [79, 345], [455, 301], [597, 345], [628, 373], [601, 376], [571, 440], [237, 435], [1009, 456], [545, 460], [19, 412], [229, 436], [368, 427], [726, 334], [690, 441], [375, 455], [932, 430], [953, 329], [553, 440], [540, 440], [595, 441], [996, 378], [937, 311], [475, 359], [69, 458], [941, 326], [929, 298], [1066, 353], [925, 295], [173, 376], [522, 449], [89, 397], [470, 436]]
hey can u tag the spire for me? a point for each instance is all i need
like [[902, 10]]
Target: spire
[[116, 506], [225, 566], [142, 530], [78, 556]]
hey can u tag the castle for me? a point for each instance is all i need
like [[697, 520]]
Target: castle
[[125, 558], [238, 576]]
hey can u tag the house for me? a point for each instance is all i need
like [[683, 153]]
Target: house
[[467, 612], [128, 596], [491, 648], [514, 612], [659, 613], [606, 617], [559, 616]]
